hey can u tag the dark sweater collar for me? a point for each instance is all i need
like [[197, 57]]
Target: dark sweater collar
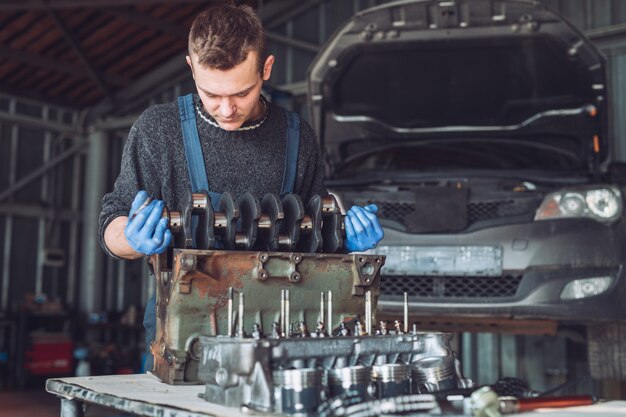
[[248, 125]]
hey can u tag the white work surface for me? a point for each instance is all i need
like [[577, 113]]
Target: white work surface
[[141, 394], [145, 395]]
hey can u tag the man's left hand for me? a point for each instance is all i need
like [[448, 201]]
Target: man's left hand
[[363, 230]]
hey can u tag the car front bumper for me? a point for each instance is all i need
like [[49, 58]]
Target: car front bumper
[[540, 258]]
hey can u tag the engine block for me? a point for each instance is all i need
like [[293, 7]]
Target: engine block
[[279, 321], [201, 292]]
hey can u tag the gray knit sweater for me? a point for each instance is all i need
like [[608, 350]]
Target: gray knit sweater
[[248, 160]]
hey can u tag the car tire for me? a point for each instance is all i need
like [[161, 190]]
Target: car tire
[[606, 349]]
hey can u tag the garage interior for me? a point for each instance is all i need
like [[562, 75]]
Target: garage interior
[[74, 76]]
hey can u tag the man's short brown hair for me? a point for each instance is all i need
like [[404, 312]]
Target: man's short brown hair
[[223, 35]]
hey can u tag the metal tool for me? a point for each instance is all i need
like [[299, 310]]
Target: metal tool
[[511, 405]]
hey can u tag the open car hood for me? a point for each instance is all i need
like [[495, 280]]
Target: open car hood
[[509, 70]]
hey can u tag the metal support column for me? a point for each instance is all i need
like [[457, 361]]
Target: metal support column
[[72, 260], [42, 238], [92, 274], [71, 408], [8, 226]]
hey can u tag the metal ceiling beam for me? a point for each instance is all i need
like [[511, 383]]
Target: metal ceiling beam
[[608, 36], [52, 64], [150, 22], [169, 70], [288, 10], [81, 56], [37, 123], [297, 89], [292, 10], [33, 94], [27, 5], [308, 46], [272, 10]]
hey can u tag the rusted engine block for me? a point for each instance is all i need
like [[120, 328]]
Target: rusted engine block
[[196, 287]]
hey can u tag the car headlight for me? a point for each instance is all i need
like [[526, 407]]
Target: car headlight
[[585, 287], [601, 204]]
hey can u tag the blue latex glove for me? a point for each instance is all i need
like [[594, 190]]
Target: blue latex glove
[[146, 232], [363, 230]]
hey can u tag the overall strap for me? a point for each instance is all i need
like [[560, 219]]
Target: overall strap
[[291, 152], [195, 158], [191, 139]]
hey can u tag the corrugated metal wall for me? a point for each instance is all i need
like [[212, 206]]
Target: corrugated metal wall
[[39, 222]]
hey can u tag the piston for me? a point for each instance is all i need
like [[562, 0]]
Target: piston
[[298, 391], [433, 374], [355, 380], [391, 380]]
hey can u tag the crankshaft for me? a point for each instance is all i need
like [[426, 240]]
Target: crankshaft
[[268, 224]]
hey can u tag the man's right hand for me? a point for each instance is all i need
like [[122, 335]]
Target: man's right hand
[[146, 231]]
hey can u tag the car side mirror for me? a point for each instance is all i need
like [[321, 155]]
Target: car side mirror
[[617, 172]]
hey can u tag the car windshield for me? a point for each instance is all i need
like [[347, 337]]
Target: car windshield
[[460, 155]]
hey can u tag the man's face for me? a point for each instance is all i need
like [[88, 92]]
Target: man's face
[[231, 96]]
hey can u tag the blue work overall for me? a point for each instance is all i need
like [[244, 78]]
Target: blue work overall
[[199, 182]]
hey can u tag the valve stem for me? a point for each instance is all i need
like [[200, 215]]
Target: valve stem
[[406, 312], [368, 312], [230, 312], [241, 332]]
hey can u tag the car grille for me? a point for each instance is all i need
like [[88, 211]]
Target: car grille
[[451, 287], [476, 211], [396, 211], [495, 209]]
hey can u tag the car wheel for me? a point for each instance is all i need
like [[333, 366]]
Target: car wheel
[[606, 347]]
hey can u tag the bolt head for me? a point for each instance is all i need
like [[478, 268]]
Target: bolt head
[[221, 377], [188, 262]]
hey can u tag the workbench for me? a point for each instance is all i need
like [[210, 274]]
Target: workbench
[[145, 395]]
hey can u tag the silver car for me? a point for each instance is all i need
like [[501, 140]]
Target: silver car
[[480, 130]]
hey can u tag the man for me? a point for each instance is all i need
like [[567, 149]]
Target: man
[[228, 137]]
